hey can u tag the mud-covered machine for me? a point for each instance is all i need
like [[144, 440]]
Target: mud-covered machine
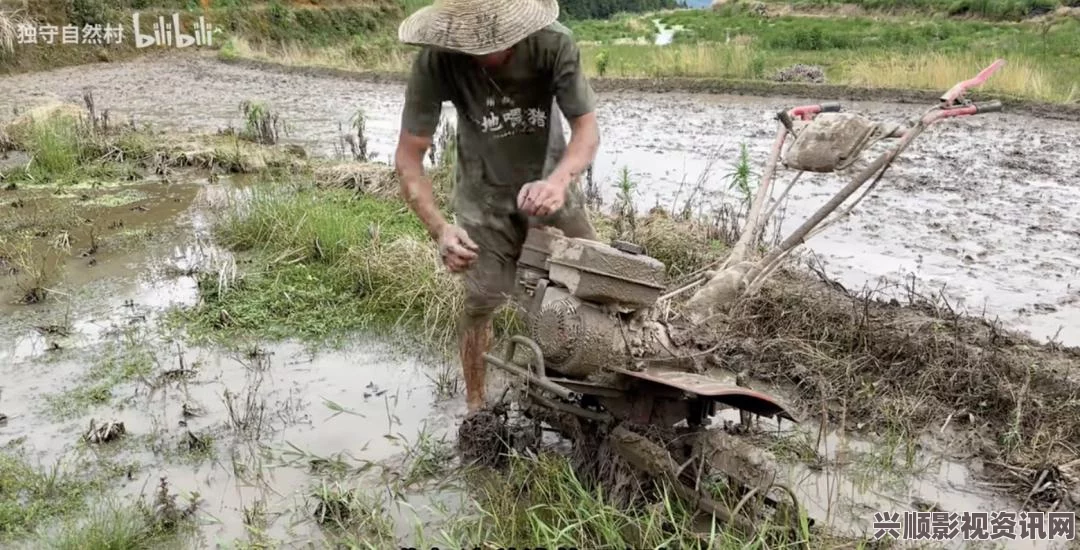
[[591, 368], [579, 372]]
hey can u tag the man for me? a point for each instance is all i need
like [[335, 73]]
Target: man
[[504, 64]]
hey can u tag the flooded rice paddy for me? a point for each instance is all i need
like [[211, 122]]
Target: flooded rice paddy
[[984, 206], [244, 429]]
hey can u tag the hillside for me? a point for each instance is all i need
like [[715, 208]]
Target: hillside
[[366, 25]]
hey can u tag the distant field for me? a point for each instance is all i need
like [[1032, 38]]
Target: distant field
[[989, 9], [904, 52], [729, 42]]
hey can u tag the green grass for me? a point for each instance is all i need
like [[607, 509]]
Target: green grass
[[539, 502], [59, 507], [536, 501], [905, 52], [58, 147], [123, 361], [114, 526], [30, 497], [793, 33], [319, 264], [908, 52], [621, 27], [988, 9], [282, 22], [325, 263], [64, 151], [410, 6]]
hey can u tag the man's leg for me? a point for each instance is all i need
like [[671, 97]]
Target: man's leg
[[488, 285], [476, 334]]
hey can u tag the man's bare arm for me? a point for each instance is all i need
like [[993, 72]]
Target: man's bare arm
[[580, 152], [416, 187]]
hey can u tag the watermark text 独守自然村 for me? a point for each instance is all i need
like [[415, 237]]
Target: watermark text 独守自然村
[[164, 31], [28, 33]]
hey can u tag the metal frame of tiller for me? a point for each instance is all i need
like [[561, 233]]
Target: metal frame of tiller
[[668, 395], [952, 104]]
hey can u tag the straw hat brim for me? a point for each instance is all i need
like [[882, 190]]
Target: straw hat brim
[[477, 27]]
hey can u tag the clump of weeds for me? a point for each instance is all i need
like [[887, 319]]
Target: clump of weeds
[[539, 501], [196, 446], [36, 270], [9, 32], [624, 209], [358, 141], [904, 368], [256, 523], [61, 144], [246, 414], [429, 457], [30, 498], [261, 125], [106, 432], [446, 380], [110, 524], [345, 263], [740, 177], [350, 512], [127, 359]]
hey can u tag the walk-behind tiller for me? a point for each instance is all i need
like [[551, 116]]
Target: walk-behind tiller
[[602, 365]]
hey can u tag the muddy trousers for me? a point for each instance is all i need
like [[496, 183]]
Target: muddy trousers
[[490, 283]]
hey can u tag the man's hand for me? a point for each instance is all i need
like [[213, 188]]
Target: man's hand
[[541, 198], [458, 251]]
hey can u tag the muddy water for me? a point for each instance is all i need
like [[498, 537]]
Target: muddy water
[[280, 413], [842, 480], [86, 234], [984, 208]]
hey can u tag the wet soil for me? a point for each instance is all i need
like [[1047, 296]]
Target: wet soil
[[842, 481], [257, 426], [85, 233], [983, 207]]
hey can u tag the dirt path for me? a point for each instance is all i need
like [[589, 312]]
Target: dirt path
[[983, 206]]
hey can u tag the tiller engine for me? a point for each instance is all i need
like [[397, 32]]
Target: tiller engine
[[584, 374], [599, 366]]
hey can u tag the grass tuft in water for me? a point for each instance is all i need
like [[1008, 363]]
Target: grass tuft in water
[[539, 502], [326, 262], [351, 513], [126, 359], [111, 525], [29, 497]]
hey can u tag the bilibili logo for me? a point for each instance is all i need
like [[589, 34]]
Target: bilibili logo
[[171, 32]]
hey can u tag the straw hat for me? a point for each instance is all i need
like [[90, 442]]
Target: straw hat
[[477, 27]]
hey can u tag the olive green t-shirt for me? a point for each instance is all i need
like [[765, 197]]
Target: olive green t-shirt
[[508, 133]]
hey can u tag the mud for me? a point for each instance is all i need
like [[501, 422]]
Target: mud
[[986, 205], [254, 428], [843, 480], [983, 207], [86, 234]]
